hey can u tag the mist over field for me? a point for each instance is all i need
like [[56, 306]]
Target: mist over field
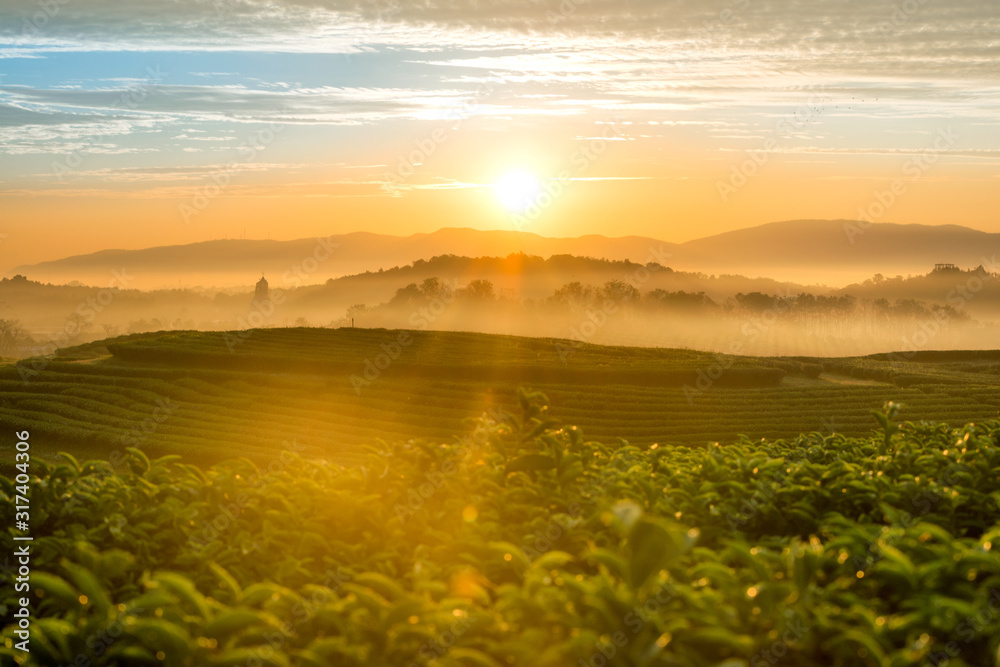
[[612, 302], [834, 253]]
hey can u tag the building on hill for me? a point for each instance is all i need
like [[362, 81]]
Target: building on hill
[[261, 295], [945, 267], [261, 290]]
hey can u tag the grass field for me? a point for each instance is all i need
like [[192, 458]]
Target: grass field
[[210, 396]]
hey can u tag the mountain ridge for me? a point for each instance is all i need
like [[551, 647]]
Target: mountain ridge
[[810, 251]]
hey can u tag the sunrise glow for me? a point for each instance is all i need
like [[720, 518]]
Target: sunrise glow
[[395, 119], [517, 190]]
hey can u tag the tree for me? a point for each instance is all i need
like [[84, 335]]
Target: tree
[[406, 296], [76, 324], [480, 290], [357, 310], [430, 287], [433, 288], [680, 300], [619, 292], [756, 301], [574, 295], [12, 336]]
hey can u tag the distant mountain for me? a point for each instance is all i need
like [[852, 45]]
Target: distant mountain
[[834, 252], [231, 263], [846, 249]]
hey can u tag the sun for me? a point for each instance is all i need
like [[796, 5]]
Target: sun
[[517, 190]]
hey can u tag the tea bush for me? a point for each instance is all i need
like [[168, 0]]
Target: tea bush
[[523, 543]]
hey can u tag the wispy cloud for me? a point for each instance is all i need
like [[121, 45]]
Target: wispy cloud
[[371, 82]]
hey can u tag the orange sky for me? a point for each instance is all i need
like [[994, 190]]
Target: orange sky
[[681, 124]]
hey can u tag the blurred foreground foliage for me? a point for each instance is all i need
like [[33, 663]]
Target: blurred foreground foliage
[[524, 544]]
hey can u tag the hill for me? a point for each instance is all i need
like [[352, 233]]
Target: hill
[[834, 252], [838, 249], [228, 263], [214, 395]]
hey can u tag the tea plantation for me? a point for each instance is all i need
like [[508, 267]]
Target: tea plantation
[[394, 499], [524, 543], [212, 396]]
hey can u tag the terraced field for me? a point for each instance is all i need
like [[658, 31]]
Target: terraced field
[[212, 396]]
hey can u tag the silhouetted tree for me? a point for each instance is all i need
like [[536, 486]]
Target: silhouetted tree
[[574, 296], [406, 296], [690, 301], [12, 336], [620, 292], [480, 290], [433, 288], [755, 301]]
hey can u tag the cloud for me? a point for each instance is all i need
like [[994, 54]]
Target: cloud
[[13, 115], [936, 37], [233, 102], [65, 138], [719, 71], [633, 55]]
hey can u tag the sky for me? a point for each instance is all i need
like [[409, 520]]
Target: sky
[[129, 125]]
